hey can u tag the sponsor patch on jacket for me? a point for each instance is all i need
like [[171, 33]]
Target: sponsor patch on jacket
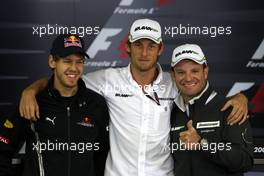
[[123, 95], [210, 124], [4, 140], [87, 122], [177, 128], [207, 131], [166, 98], [8, 124]]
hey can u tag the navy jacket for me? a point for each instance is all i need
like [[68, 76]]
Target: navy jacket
[[72, 135]]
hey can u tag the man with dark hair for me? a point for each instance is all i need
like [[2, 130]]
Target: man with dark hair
[[202, 143], [71, 136]]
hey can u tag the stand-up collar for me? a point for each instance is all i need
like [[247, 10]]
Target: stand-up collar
[[55, 93], [180, 102]]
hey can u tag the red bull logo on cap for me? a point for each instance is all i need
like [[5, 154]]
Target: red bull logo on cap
[[72, 41]]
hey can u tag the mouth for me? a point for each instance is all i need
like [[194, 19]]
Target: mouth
[[189, 85], [72, 77], [144, 60]]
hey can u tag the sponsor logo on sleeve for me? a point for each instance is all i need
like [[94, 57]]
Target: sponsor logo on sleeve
[[8, 124], [177, 128], [4, 140]]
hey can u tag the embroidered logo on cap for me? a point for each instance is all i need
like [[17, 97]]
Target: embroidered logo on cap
[[148, 28], [72, 41], [186, 51]]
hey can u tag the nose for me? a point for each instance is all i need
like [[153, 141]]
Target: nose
[[144, 51], [73, 66], [188, 77]]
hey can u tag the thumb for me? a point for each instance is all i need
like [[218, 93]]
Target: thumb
[[189, 124], [226, 106]]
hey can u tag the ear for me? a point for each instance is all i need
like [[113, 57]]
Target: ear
[[161, 48], [128, 48], [52, 62], [172, 74], [206, 70]]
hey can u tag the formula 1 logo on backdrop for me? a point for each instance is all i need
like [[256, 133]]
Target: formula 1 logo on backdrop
[[258, 100], [129, 2], [256, 94], [238, 87], [257, 60], [122, 48], [108, 35], [102, 41], [124, 9], [126, 2]]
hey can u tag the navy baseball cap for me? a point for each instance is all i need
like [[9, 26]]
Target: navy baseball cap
[[67, 44]]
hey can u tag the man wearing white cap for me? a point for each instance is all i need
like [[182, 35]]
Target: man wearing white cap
[[202, 142], [140, 98]]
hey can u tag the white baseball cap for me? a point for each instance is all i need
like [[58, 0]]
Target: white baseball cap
[[188, 51], [145, 28]]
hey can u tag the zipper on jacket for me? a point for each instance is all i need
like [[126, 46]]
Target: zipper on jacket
[[39, 154], [69, 140]]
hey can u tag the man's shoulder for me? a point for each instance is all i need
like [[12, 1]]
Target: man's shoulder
[[104, 71], [94, 96], [215, 100], [100, 77], [167, 76], [218, 98], [43, 94], [169, 82]]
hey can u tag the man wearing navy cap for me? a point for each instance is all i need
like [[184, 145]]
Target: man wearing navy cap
[[71, 138]]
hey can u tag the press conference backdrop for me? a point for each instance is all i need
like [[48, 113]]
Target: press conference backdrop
[[231, 33]]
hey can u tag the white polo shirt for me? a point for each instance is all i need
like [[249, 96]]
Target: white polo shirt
[[139, 127]]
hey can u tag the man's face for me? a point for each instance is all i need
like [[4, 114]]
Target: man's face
[[67, 71], [190, 77], [144, 54]]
